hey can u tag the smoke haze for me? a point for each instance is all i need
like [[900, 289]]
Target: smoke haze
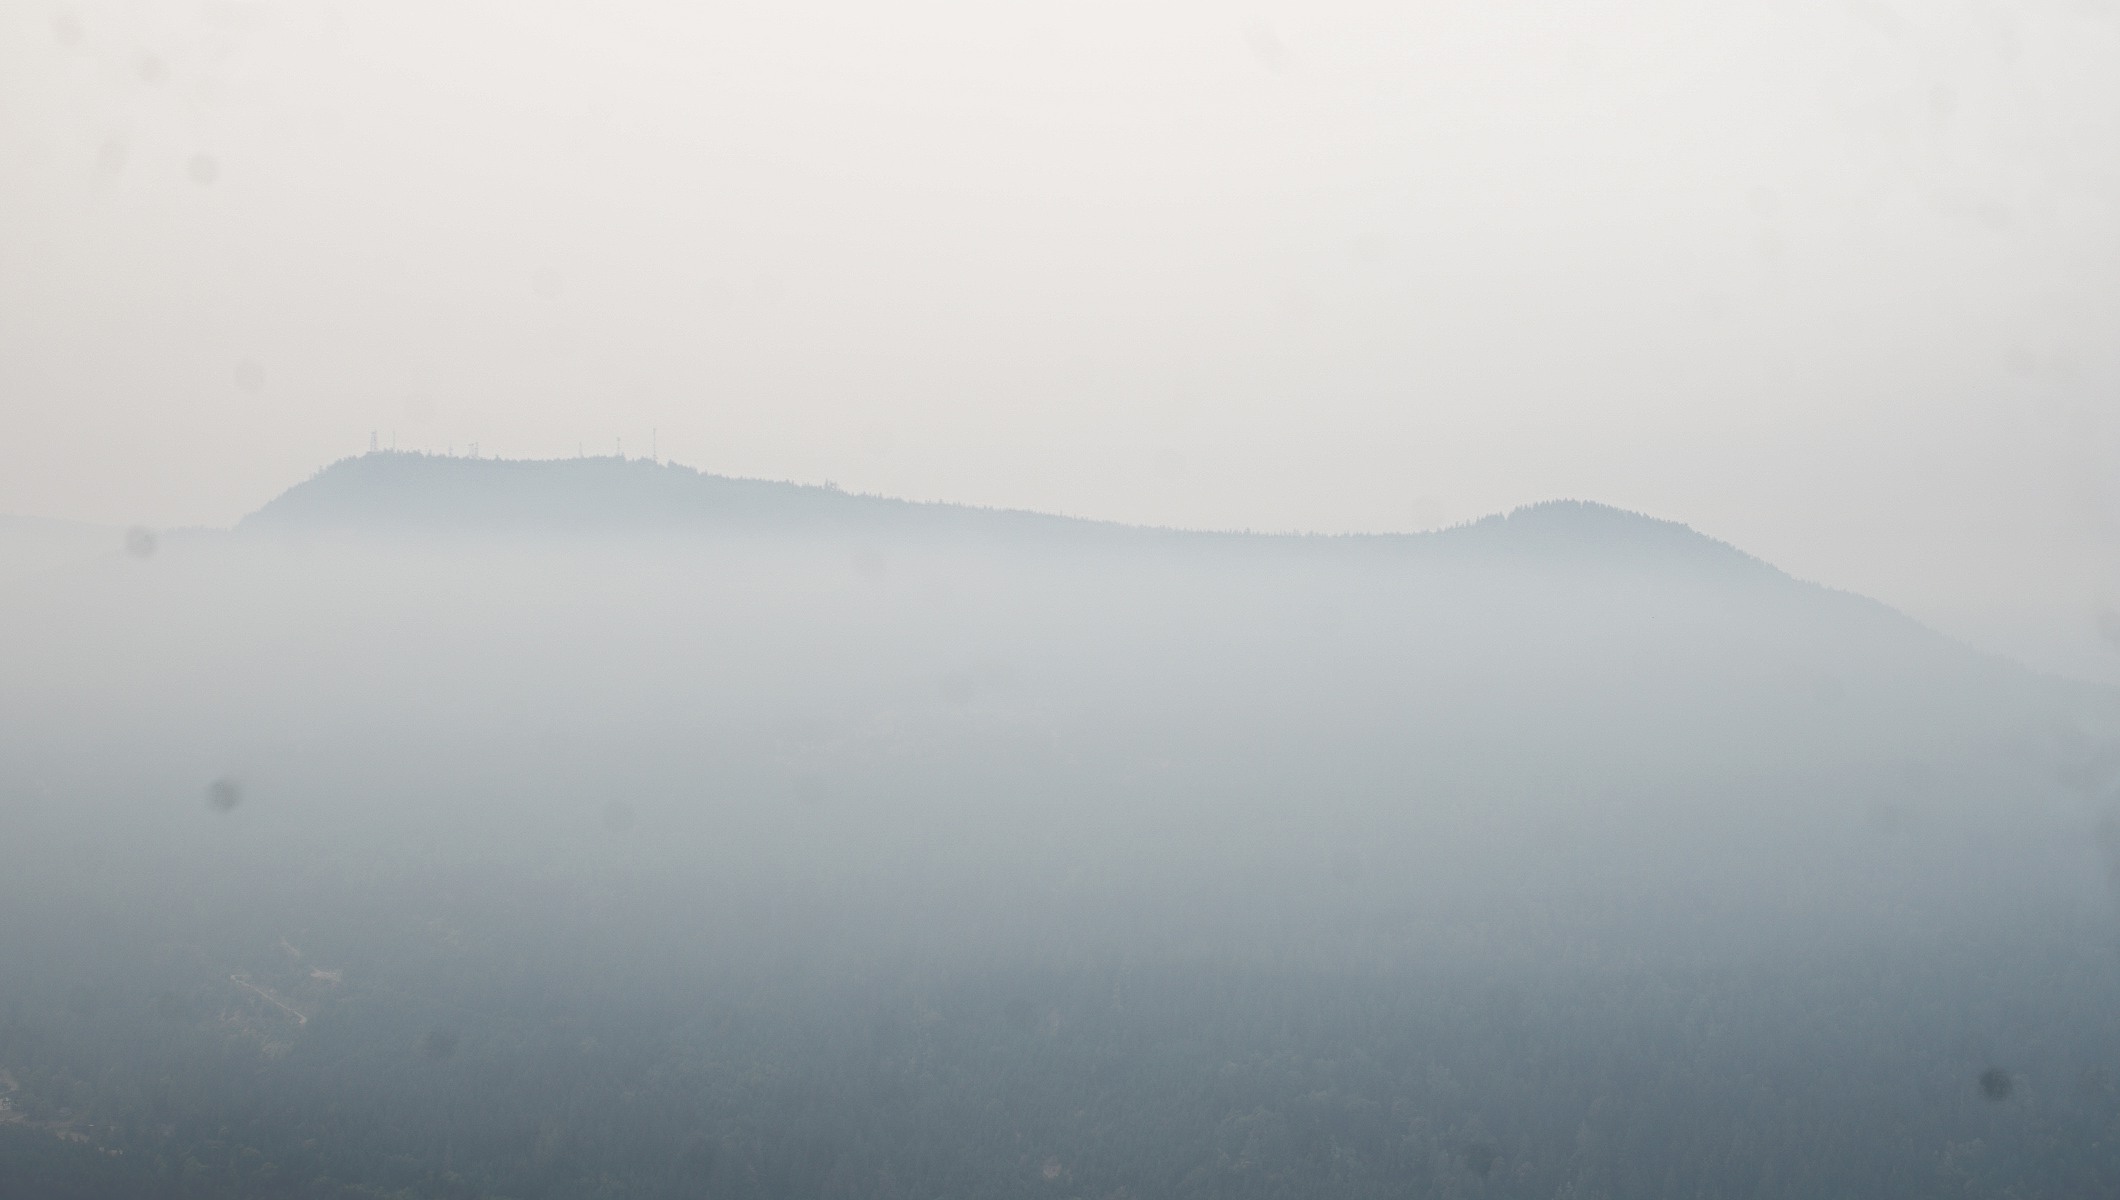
[[1834, 279], [1086, 602]]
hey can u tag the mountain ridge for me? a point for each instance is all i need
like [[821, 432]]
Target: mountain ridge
[[400, 492]]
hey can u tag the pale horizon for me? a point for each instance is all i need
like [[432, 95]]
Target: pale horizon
[[1835, 282]]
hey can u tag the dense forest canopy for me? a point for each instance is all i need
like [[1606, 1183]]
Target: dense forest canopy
[[603, 828]]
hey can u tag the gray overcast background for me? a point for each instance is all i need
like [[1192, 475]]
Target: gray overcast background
[[1836, 281]]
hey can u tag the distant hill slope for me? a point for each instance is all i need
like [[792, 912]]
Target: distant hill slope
[[395, 493]]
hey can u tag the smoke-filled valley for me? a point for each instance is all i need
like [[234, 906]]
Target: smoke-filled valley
[[460, 827]]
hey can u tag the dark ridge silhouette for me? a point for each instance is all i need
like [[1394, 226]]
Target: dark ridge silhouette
[[394, 493]]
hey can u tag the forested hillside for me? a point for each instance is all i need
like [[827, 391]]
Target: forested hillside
[[458, 828]]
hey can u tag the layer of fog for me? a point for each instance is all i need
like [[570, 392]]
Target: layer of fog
[[961, 741], [1570, 821]]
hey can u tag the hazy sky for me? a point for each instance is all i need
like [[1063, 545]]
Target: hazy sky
[[1839, 282]]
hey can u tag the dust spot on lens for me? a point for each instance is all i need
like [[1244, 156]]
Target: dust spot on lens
[[1369, 248], [809, 789], [150, 69], [1995, 1084], [1020, 1014], [223, 795], [1347, 865], [2081, 773], [250, 376], [618, 816], [139, 542], [81, 1001], [66, 29], [1267, 49], [2109, 626], [963, 686], [696, 1160], [1888, 817], [1480, 1158], [2107, 838], [437, 1044], [204, 169]]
